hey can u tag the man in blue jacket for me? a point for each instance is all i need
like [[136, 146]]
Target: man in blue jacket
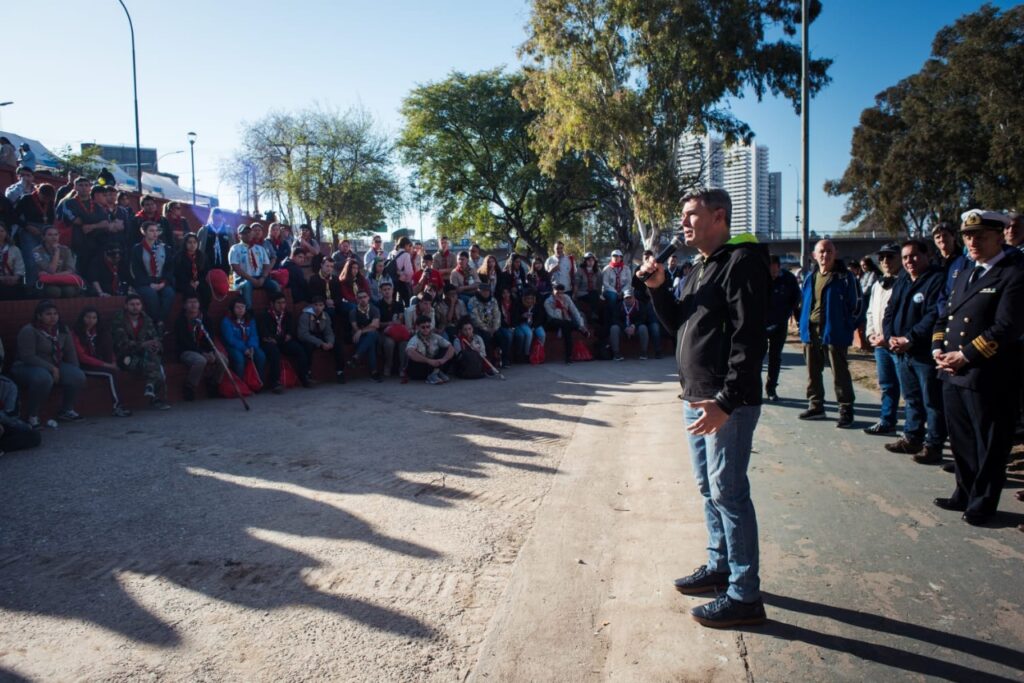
[[828, 317], [907, 326]]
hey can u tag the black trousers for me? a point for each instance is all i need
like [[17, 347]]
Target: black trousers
[[292, 350], [566, 327], [776, 342], [980, 436], [338, 352]]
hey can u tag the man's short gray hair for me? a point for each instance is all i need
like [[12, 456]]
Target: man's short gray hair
[[712, 198]]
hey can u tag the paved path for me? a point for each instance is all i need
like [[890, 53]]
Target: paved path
[[526, 530], [864, 578]]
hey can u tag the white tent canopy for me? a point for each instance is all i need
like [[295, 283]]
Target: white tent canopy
[[44, 157]]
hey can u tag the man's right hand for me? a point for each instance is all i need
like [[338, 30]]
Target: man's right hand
[[656, 270]]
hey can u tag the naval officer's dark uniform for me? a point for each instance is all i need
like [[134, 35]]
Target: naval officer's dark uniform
[[984, 320]]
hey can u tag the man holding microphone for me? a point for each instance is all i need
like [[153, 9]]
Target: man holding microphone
[[719, 323]]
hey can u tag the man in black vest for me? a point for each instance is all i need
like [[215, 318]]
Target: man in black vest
[[977, 349]]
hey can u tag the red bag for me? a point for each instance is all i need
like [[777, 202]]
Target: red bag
[[536, 352], [288, 376], [398, 332], [66, 279], [227, 390], [280, 276], [252, 376], [218, 281], [580, 352]]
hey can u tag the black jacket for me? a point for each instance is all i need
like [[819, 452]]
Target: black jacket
[[637, 317], [189, 339], [720, 319], [138, 267], [785, 299], [266, 324], [984, 321], [913, 309]]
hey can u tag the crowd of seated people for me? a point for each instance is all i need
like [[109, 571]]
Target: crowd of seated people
[[408, 314]]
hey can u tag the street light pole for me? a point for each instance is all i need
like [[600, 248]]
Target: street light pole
[[805, 125], [192, 148], [135, 90]]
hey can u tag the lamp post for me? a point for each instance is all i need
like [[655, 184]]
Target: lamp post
[[805, 126], [192, 149], [135, 90]]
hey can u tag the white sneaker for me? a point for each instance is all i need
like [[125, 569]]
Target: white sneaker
[[444, 377], [435, 378], [33, 422], [149, 391], [619, 358], [643, 357]]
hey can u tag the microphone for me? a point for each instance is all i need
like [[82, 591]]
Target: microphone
[[671, 248]]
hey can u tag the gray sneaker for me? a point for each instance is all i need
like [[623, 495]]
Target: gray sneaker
[[435, 378], [444, 377]]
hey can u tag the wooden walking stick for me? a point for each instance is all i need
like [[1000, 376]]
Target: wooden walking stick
[[224, 364]]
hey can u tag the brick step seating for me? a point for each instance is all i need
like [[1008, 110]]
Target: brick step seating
[[95, 400]]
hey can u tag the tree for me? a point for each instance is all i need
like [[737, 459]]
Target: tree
[[467, 137], [622, 80], [337, 169], [87, 162], [947, 138]]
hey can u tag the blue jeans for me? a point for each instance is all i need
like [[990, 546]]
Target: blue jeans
[[654, 328], [36, 383], [889, 383], [503, 337], [720, 465], [244, 289], [157, 304], [524, 335], [922, 397], [27, 242], [237, 359], [367, 348]]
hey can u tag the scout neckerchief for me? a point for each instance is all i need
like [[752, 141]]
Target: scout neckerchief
[[629, 311], [196, 328], [153, 270], [135, 326], [278, 322], [53, 335], [193, 266], [243, 328], [114, 280], [618, 274], [589, 274], [559, 306], [253, 263], [5, 268], [506, 309], [40, 205], [90, 340]]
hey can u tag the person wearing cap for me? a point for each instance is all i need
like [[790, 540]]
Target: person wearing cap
[[250, 264], [215, 241], [26, 157], [631, 319], [151, 274], [89, 219], [829, 313], [977, 349], [951, 256], [588, 286], [485, 314], [885, 361], [564, 317], [907, 327], [106, 272], [614, 278], [784, 304], [562, 268]]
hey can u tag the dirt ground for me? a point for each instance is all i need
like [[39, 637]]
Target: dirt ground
[[356, 533]]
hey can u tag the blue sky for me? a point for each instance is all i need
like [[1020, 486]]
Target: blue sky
[[208, 66]]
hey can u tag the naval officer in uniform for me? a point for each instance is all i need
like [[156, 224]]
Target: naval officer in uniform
[[977, 349]]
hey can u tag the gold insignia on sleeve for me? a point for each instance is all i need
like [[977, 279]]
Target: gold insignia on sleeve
[[938, 336], [985, 347]]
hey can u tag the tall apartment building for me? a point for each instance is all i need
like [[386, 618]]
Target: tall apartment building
[[742, 171]]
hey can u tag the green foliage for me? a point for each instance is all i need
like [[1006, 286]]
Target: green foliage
[[620, 81], [947, 138], [336, 169], [467, 137], [82, 162]]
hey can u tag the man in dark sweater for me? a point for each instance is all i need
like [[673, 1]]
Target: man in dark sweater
[[785, 301], [907, 326], [719, 325]]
